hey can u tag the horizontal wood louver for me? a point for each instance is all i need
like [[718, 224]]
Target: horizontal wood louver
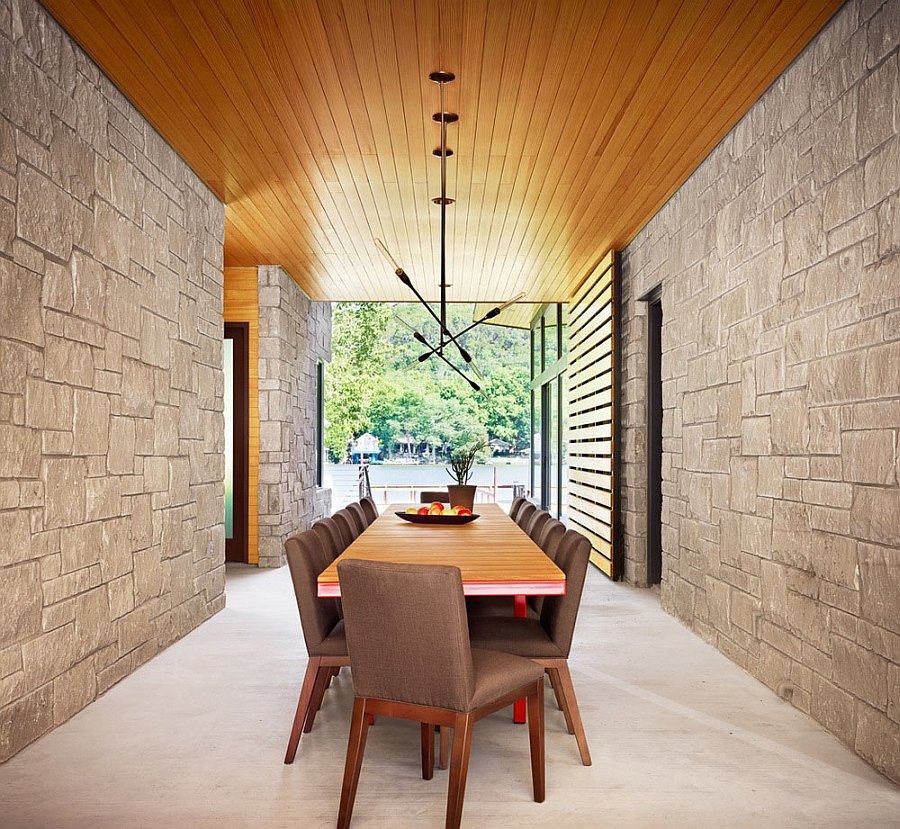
[[591, 406]]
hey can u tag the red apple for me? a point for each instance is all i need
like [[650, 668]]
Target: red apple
[[423, 510]]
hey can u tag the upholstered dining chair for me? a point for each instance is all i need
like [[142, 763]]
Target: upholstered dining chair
[[534, 527], [369, 508], [355, 510], [548, 541], [525, 514], [332, 538], [517, 503], [347, 525], [323, 631], [547, 640], [409, 642], [428, 496]]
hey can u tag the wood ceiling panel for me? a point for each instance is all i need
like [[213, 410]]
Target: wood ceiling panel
[[311, 119]]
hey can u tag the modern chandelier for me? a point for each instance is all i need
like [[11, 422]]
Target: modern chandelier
[[447, 341]]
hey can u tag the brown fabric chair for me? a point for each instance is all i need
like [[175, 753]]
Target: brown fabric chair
[[409, 641], [518, 502], [347, 525], [323, 631], [525, 514], [369, 508], [503, 605], [428, 496], [355, 511], [332, 539], [536, 524], [547, 640]]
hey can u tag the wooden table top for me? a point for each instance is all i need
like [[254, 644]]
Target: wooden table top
[[495, 556]]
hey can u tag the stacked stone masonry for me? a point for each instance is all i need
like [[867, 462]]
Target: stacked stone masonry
[[779, 261], [294, 336], [111, 428]]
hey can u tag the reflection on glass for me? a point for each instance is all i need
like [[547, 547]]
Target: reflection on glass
[[564, 446], [536, 445], [551, 336], [229, 438]]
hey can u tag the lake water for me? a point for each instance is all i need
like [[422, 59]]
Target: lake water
[[393, 483]]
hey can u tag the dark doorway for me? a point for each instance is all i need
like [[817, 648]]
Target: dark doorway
[[237, 438], [654, 438]]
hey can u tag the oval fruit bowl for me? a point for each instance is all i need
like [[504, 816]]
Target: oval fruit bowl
[[436, 518]]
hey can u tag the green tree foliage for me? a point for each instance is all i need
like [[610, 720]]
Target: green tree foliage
[[410, 403], [358, 352]]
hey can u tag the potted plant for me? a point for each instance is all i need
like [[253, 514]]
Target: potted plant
[[462, 494]]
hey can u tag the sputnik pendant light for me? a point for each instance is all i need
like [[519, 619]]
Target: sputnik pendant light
[[446, 337]]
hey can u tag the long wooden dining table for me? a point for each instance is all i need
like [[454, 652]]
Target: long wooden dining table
[[494, 555]]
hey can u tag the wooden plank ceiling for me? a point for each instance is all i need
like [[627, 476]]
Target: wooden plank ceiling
[[311, 120]]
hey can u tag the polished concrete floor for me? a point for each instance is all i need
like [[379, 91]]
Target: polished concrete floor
[[680, 738]]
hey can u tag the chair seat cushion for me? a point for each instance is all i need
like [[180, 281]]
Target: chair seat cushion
[[498, 673], [510, 634], [335, 644]]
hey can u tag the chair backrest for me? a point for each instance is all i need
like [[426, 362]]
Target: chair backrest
[[347, 526], [559, 613], [550, 536], [427, 496], [369, 508], [525, 513], [355, 511], [407, 632], [331, 537], [536, 524], [306, 559], [518, 502]]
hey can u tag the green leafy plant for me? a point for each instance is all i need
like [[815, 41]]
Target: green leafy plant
[[462, 460]]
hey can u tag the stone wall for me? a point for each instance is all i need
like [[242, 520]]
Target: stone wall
[[111, 497], [779, 261], [294, 335]]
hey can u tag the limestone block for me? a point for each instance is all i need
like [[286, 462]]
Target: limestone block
[[141, 522], [879, 584], [165, 430], [834, 708], [25, 720], [120, 460], [48, 405], [155, 336], [90, 287], [869, 456], [770, 476], [138, 385], [91, 426], [73, 690], [756, 436], [120, 594], [147, 575], [20, 603], [156, 474], [845, 377], [834, 144], [64, 486], [80, 546], [48, 655], [45, 213], [93, 626], [123, 305], [873, 515], [878, 741], [744, 483], [112, 237], [833, 279], [756, 535], [20, 451], [880, 172], [103, 497], [20, 304], [68, 361], [803, 238]]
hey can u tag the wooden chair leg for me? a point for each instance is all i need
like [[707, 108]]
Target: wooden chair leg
[[306, 690], [560, 700], [567, 691], [323, 680], [356, 746], [427, 750], [444, 747], [459, 769], [536, 741]]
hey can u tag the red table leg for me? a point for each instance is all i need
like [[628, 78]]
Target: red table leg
[[521, 610]]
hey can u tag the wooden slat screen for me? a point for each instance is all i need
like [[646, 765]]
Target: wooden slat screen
[[591, 379]]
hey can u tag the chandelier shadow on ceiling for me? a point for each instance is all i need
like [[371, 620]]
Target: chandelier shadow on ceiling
[[447, 341]]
